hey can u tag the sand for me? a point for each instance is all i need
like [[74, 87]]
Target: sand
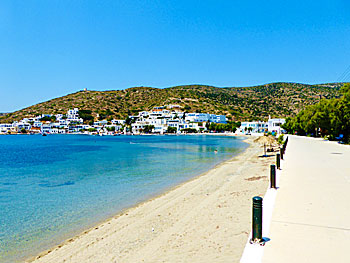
[[207, 219]]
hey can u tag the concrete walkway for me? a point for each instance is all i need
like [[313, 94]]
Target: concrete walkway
[[311, 217]]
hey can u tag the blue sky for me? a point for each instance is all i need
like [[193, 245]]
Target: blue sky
[[54, 47]]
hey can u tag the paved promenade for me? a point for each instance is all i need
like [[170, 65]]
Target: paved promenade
[[311, 217]]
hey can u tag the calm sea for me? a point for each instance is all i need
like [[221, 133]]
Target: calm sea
[[55, 186]]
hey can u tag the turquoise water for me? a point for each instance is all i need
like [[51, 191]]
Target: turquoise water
[[55, 186]]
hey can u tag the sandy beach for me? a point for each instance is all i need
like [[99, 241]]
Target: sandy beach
[[206, 219]]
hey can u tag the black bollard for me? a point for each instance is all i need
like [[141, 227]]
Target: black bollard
[[257, 220], [281, 153], [278, 161], [273, 176]]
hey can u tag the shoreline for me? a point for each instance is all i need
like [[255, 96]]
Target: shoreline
[[136, 134], [82, 241]]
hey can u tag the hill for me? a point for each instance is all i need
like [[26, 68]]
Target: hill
[[239, 104]]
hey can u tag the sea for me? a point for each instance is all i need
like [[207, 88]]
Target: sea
[[53, 187]]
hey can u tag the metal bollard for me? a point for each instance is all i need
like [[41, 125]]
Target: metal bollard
[[273, 176], [278, 161], [281, 153], [257, 220]]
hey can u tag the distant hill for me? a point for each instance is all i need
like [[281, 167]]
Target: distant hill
[[239, 104]]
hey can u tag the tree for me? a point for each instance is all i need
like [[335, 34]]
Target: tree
[[23, 131], [85, 115], [47, 118], [280, 139], [171, 130], [207, 125], [187, 107], [112, 128], [148, 128], [103, 114], [327, 118], [128, 120], [221, 127]]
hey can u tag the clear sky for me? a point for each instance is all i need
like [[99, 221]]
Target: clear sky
[[49, 48]]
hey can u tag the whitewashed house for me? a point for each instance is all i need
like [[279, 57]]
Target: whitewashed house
[[101, 123], [274, 125], [6, 127], [118, 122], [22, 125], [205, 117], [37, 124], [138, 126], [255, 126], [46, 128], [73, 116]]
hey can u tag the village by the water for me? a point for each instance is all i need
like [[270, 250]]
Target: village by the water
[[169, 119]]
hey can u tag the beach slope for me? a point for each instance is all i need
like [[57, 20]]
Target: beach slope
[[206, 219]]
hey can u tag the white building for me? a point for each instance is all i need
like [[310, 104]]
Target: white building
[[217, 118], [118, 122], [138, 126], [254, 126], [22, 125], [73, 116], [37, 124], [175, 123], [78, 128], [72, 113], [63, 122], [193, 125], [162, 118], [175, 108], [46, 128], [101, 123], [6, 127], [143, 113], [274, 125], [205, 117], [31, 119], [59, 116], [57, 130]]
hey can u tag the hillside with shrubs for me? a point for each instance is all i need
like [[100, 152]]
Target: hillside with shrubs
[[237, 103]]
